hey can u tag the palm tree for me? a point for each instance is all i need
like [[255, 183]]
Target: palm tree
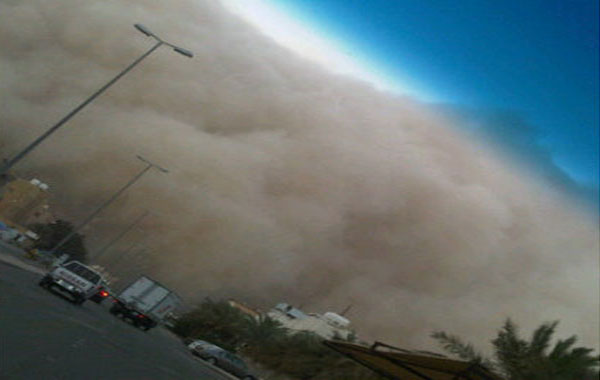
[[216, 322], [262, 329], [519, 359], [264, 340], [260, 333]]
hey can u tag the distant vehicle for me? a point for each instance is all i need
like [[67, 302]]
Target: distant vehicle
[[199, 344], [221, 358], [145, 303], [77, 280]]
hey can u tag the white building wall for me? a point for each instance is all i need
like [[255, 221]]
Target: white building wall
[[315, 323]]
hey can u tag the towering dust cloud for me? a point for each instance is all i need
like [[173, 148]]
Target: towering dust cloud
[[287, 183]]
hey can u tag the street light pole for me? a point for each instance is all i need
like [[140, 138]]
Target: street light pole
[[103, 250], [126, 253], [132, 259], [133, 180], [6, 166]]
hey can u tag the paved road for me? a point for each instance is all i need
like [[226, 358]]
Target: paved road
[[43, 336], [16, 257]]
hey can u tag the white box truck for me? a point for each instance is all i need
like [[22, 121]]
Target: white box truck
[[145, 303]]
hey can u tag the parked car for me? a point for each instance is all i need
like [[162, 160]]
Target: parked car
[[77, 280], [198, 343], [221, 358]]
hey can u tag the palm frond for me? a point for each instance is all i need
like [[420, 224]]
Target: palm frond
[[510, 350], [540, 340], [454, 345], [562, 347]]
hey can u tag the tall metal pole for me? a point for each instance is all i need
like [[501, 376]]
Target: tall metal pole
[[10, 163], [103, 250], [99, 209], [133, 258], [126, 253], [6, 166], [109, 201]]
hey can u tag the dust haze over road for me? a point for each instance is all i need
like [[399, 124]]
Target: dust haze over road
[[288, 183]]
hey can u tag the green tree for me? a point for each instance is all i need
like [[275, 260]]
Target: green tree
[[516, 358], [264, 340], [216, 322], [261, 331], [52, 233]]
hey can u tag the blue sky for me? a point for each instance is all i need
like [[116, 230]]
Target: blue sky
[[523, 74]]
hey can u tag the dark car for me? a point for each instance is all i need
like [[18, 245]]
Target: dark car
[[223, 359], [101, 295]]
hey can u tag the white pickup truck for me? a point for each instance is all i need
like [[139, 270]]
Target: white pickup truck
[[79, 281]]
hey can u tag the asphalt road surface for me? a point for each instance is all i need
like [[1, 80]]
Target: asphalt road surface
[[43, 336]]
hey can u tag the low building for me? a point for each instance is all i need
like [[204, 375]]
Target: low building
[[329, 325], [24, 202]]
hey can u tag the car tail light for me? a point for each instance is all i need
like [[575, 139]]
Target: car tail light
[[141, 316], [104, 293]]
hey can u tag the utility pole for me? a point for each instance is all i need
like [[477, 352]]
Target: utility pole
[[125, 253], [132, 257], [89, 218], [103, 250], [346, 310], [8, 164]]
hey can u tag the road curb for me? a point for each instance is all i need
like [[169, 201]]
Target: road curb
[[15, 262]]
